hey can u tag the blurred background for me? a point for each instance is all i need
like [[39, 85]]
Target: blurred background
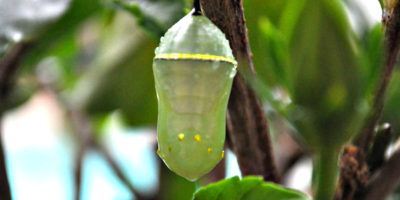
[[92, 61]]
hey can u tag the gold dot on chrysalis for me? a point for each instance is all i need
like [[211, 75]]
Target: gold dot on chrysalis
[[209, 150], [181, 136], [158, 151], [197, 137], [169, 148], [222, 155]]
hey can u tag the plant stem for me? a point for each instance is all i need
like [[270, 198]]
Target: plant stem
[[326, 173], [392, 48], [196, 7]]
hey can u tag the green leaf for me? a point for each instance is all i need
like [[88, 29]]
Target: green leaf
[[273, 192], [268, 48], [290, 17], [249, 188], [278, 49]]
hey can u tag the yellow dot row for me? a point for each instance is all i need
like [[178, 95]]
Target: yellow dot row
[[197, 137]]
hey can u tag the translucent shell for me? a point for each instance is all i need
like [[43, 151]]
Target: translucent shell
[[193, 69]]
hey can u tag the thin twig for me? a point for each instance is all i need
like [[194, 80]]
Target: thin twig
[[392, 44], [9, 67], [350, 179], [385, 180], [78, 171], [83, 126], [117, 170], [249, 133]]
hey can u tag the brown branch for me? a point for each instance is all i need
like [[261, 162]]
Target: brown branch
[[248, 130], [392, 47], [385, 180], [354, 174], [83, 128], [243, 133], [9, 66]]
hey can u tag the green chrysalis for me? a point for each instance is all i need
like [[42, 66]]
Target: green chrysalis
[[193, 70]]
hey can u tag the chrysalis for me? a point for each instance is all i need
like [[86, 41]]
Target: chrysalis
[[193, 70]]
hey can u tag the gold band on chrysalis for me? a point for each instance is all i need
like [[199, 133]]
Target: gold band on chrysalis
[[205, 57]]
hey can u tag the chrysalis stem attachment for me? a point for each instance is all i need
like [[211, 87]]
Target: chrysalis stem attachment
[[196, 7], [202, 57]]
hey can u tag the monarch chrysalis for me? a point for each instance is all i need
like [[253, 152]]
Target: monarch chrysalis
[[193, 70]]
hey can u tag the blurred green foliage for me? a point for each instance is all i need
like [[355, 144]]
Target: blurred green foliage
[[310, 50], [58, 34], [120, 76], [392, 108]]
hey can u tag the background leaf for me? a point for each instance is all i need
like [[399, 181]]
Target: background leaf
[[52, 36], [21, 19]]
